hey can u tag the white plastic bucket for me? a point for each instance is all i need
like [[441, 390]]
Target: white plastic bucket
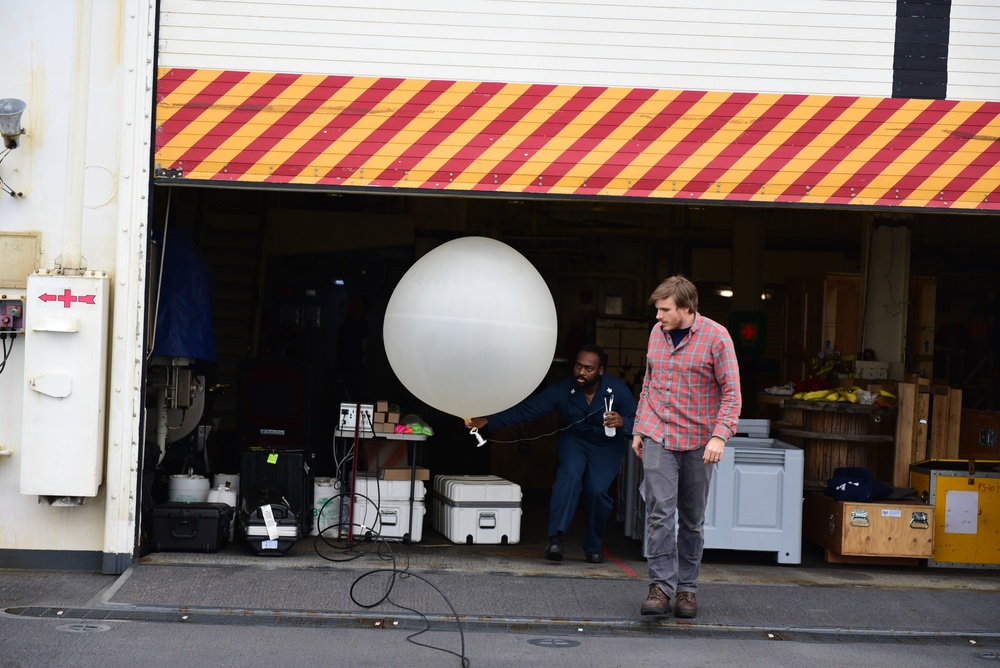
[[326, 516], [220, 480], [188, 488], [225, 494], [222, 494]]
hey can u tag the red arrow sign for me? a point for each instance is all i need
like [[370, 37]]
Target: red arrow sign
[[68, 298]]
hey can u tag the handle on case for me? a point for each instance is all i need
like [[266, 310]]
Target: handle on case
[[184, 527]]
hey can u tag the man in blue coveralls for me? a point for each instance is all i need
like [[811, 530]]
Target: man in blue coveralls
[[589, 458]]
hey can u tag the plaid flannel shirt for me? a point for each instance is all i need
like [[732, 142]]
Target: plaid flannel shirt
[[692, 392]]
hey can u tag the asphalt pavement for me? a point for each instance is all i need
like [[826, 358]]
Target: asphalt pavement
[[433, 603]]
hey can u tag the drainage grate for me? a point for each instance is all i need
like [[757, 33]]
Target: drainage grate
[[554, 643], [556, 628], [83, 628]]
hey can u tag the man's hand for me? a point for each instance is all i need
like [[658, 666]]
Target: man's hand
[[476, 422], [713, 450], [613, 419], [637, 445]]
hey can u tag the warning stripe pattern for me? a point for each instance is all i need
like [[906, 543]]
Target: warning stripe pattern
[[516, 138]]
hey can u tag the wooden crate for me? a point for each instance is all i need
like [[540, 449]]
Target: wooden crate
[[896, 528], [928, 425], [979, 435]]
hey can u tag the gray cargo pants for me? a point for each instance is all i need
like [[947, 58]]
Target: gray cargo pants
[[676, 490]]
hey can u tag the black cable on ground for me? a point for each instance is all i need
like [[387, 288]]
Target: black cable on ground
[[384, 551], [427, 626]]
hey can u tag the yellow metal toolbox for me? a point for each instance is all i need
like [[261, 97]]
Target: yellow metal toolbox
[[966, 496]]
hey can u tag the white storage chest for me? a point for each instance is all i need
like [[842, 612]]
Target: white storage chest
[[385, 508], [754, 501], [482, 509]]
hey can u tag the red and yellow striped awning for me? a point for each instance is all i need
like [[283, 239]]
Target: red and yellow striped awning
[[319, 131]]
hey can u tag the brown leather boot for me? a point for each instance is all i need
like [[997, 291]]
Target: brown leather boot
[[657, 603], [686, 606]]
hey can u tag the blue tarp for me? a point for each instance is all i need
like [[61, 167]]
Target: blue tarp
[[184, 318]]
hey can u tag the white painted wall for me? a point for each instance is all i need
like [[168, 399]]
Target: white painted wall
[[836, 47], [841, 47], [886, 290], [974, 51], [41, 67]]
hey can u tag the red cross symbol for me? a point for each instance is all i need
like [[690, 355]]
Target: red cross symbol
[[67, 298], [748, 331]]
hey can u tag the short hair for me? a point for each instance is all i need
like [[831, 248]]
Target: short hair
[[683, 291], [597, 350]]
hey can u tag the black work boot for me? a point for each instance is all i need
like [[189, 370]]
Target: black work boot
[[554, 552]]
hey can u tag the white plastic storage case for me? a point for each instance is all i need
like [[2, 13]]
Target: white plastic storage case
[[382, 507], [477, 509]]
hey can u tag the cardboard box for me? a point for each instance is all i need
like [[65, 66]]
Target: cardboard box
[[382, 406], [966, 497], [888, 528], [869, 370], [403, 473]]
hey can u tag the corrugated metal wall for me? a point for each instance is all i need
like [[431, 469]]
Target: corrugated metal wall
[[835, 47], [974, 51]]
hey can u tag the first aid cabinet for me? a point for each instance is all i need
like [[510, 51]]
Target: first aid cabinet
[[484, 509]]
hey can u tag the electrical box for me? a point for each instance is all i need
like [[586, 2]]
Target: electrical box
[[65, 371], [362, 415], [19, 253], [11, 315]]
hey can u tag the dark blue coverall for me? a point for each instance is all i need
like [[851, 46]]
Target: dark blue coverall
[[588, 459]]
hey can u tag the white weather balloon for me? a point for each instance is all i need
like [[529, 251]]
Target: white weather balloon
[[471, 327]]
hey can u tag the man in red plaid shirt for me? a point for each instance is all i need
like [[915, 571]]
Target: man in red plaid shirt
[[688, 408]]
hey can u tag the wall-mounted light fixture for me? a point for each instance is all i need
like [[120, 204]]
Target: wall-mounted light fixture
[[10, 121], [10, 127], [728, 292]]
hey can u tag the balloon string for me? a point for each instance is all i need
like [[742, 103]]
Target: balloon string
[[535, 438]]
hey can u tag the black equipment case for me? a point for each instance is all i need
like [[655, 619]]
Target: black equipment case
[[289, 471], [264, 506], [191, 527]]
